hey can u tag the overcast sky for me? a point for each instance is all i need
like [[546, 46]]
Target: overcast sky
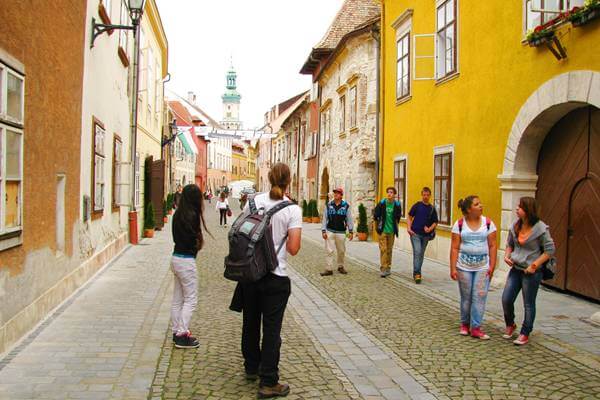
[[269, 41]]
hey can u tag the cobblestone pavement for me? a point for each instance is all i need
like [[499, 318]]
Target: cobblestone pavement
[[422, 331]]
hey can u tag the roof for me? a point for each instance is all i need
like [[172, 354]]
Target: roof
[[276, 124], [181, 113], [352, 15], [192, 108]]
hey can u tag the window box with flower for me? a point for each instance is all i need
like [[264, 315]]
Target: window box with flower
[[589, 11]]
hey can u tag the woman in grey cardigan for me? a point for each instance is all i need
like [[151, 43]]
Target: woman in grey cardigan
[[529, 246]]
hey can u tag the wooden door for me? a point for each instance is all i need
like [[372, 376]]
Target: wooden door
[[157, 191], [562, 163]]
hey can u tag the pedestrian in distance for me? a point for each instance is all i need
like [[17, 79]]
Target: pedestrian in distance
[[387, 214], [188, 224], [243, 200], [266, 299], [529, 247], [337, 219], [222, 208], [420, 225], [177, 196], [472, 263]]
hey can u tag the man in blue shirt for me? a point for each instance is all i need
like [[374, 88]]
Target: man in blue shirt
[[421, 223], [337, 218]]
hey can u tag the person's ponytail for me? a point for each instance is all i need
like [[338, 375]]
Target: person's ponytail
[[276, 193], [279, 177]]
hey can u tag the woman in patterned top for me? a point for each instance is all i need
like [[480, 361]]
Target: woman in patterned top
[[472, 263]]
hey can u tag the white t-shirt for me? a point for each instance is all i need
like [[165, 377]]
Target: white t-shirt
[[222, 205], [474, 251], [288, 218]]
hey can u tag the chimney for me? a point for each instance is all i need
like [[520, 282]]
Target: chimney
[[191, 97]]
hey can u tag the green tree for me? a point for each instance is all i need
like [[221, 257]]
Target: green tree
[[149, 222], [362, 219]]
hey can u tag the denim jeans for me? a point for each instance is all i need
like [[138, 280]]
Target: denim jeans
[[419, 244], [473, 287], [518, 280]]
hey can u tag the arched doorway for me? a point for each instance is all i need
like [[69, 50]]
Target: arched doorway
[[569, 197], [324, 190], [552, 153]]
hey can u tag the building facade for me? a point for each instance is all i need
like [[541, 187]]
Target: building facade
[[344, 68], [495, 114], [153, 69], [41, 84]]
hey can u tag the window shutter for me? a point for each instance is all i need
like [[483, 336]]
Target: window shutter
[[424, 60]]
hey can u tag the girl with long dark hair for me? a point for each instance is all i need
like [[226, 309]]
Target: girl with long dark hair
[[528, 247], [188, 224]]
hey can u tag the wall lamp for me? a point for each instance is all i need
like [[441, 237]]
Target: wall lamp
[[136, 9]]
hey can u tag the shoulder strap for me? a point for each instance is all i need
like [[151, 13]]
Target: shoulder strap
[[278, 208], [488, 222], [460, 225], [252, 206]]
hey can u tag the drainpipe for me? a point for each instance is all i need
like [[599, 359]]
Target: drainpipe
[[376, 34], [132, 216]]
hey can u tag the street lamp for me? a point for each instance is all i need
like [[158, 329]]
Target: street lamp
[[136, 9]]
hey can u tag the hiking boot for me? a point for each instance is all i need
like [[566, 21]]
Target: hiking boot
[[342, 270], [326, 273], [417, 278], [464, 329], [521, 340], [186, 341], [477, 333], [279, 390], [509, 331]]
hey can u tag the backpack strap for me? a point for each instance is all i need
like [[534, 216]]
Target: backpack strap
[[460, 225], [252, 206], [274, 210], [488, 222]]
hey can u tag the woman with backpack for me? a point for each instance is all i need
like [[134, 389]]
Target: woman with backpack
[[266, 299], [528, 248], [472, 263], [223, 209], [188, 222]]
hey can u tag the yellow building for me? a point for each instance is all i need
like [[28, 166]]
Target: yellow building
[[153, 67], [472, 104], [243, 161]]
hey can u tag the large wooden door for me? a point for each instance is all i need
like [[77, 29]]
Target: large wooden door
[[157, 191], [568, 194]]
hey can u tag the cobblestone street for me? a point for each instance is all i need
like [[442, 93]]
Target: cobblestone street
[[344, 337]]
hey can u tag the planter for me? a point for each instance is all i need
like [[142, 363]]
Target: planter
[[362, 236], [585, 17], [540, 40], [315, 220], [306, 219], [149, 233]]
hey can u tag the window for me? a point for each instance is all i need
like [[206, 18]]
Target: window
[[313, 144], [442, 187], [11, 152], [538, 12], [117, 162], [446, 39], [342, 113], [98, 183], [123, 33], [353, 106], [326, 125], [136, 166], [403, 67], [400, 183]]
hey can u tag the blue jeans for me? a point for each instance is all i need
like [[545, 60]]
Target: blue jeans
[[419, 244], [518, 280], [473, 287]]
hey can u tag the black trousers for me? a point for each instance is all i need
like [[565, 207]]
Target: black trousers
[[264, 299], [223, 216]]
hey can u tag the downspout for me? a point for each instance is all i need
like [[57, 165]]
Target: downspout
[[376, 33], [318, 188]]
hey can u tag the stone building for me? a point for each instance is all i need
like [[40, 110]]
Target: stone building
[[344, 70]]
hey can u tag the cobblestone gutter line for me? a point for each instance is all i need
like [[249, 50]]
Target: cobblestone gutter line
[[366, 362], [423, 332]]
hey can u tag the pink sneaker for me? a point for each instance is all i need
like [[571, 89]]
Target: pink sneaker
[[479, 334], [521, 340], [464, 329], [509, 331]]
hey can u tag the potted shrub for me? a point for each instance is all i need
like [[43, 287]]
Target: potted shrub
[[305, 211], [170, 203], [165, 217], [363, 228], [315, 213], [149, 222]]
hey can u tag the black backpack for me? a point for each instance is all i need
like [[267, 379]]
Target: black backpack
[[252, 254]]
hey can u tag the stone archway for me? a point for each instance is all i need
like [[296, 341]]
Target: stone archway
[[543, 109]]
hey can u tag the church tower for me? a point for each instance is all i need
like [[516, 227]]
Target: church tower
[[231, 102]]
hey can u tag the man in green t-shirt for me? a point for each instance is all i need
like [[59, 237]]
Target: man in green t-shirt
[[387, 213]]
